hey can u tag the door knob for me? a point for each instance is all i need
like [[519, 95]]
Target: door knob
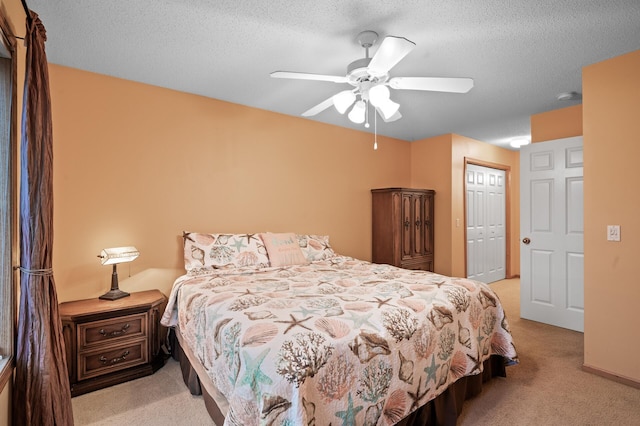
[[526, 240]]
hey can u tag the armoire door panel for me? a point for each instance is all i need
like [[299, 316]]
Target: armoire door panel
[[407, 251], [417, 202], [427, 231]]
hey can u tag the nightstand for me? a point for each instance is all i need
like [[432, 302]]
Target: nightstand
[[112, 341]]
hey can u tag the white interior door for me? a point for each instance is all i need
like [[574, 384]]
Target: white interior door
[[485, 220], [551, 232]]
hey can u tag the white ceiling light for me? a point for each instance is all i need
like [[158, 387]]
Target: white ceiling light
[[343, 100], [519, 142], [388, 109], [357, 112], [379, 98], [569, 96], [378, 95]]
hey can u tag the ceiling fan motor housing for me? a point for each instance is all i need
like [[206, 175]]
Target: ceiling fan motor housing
[[358, 70], [358, 73]]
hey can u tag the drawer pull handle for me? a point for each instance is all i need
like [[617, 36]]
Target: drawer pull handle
[[121, 358], [116, 332]]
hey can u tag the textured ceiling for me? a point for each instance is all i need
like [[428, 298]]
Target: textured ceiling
[[520, 53]]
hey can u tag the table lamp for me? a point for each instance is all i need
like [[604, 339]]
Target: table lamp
[[113, 256]]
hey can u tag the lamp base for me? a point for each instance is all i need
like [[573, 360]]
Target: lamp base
[[114, 294]]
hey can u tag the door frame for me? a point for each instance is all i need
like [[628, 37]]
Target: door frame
[[507, 209]]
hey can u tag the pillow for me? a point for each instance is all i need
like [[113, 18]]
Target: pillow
[[209, 252], [283, 249], [315, 247]]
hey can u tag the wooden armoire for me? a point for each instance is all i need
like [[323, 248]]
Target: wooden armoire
[[403, 227]]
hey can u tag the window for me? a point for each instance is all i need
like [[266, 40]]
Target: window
[[8, 202]]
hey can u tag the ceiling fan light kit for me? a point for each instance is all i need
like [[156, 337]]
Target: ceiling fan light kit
[[388, 109], [371, 82], [343, 100], [378, 95], [358, 112]]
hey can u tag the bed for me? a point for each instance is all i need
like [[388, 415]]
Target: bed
[[278, 329]]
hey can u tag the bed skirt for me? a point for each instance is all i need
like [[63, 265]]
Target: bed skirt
[[441, 411]]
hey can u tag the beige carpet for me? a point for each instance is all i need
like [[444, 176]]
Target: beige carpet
[[547, 388], [159, 399]]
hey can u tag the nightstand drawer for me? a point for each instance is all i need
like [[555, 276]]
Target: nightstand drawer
[[111, 330], [112, 358]]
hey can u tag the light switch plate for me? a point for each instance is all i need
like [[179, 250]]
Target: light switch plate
[[613, 232]]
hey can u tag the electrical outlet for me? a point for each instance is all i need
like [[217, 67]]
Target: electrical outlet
[[613, 232]]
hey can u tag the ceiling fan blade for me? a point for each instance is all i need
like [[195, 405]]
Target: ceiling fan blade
[[318, 108], [390, 52], [436, 84], [308, 76]]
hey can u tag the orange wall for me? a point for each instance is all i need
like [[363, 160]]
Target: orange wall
[[136, 165], [557, 124], [431, 169], [611, 151], [439, 163]]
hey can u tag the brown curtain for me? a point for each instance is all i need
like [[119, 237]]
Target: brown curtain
[[41, 394]]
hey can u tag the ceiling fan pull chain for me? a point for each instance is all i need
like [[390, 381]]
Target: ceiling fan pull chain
[[375, 131], [366, 122]]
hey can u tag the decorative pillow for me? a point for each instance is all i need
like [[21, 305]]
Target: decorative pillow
[[208, 252], [283, 249], [315, 247]]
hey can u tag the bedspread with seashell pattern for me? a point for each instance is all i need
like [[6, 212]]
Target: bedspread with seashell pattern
[[339, 341]]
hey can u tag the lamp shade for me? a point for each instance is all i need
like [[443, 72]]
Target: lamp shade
[[394, 117], [358, 112], [110, 256], [378, 95], [388, 108], [343, 100]]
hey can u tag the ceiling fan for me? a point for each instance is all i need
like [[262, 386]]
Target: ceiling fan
[[371, 81]]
